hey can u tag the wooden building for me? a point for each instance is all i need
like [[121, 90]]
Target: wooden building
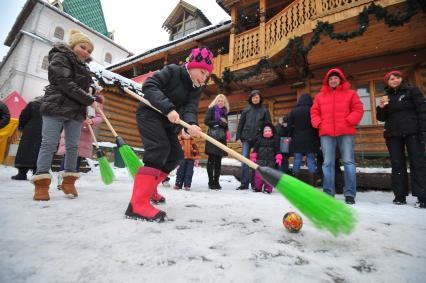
[[284, 49]]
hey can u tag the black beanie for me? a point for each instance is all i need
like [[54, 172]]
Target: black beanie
[[335, 74]]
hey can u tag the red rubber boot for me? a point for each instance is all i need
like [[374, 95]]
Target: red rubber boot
[[140, 207], [156, 197]]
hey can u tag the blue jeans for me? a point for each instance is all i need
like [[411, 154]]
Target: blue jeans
[[51, 131], [245, 170], [346, 145], [310, 161], [184, 173]]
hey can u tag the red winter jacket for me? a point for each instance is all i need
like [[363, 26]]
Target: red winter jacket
[[336, 112]]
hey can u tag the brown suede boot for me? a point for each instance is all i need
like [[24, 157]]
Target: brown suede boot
[[68, 183], [42, 183]]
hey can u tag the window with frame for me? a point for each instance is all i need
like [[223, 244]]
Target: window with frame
[[108, 57], [45, 63], [185, 25], [370, 92], [59, 33]]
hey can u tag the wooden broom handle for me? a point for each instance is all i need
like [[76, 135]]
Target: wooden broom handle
[[231, 152], [114, 133], [93, 135]]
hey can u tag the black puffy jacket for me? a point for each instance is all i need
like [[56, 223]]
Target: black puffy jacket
[[251, 121], [406, 112], [267, 148], [4, 115], [172, 89], [69, 81]]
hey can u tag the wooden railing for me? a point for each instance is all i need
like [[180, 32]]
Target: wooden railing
[[298, 18], [327, 7], [247, 45], [288, 23]]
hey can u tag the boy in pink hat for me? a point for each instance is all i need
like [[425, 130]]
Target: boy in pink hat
[[176, 91]]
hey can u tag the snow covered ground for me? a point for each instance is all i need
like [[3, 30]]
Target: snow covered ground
[[214, 236]]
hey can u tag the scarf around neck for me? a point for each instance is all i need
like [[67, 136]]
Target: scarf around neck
[[219, 112]]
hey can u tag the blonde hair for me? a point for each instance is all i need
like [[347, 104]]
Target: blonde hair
[[225, 101]]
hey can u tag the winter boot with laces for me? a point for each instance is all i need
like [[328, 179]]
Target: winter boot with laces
[[140, 207], [68, 183], [42, 183]]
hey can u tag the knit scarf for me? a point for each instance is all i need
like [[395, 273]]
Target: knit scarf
[[219, 112]]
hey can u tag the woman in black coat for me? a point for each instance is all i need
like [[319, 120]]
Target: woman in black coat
[[403, 109], [304, 137], [217, 121], [30, 124]]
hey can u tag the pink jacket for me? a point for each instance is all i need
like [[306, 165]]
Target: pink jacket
[[85, 145]]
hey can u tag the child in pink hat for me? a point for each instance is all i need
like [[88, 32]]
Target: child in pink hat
[[176, 91]]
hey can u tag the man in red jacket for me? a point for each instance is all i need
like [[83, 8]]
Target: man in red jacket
[[336, 111]]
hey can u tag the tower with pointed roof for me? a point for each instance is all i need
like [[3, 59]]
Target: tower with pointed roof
[[184, 19], [88, 12]]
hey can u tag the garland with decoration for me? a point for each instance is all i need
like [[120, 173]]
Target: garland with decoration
[[296, 43]]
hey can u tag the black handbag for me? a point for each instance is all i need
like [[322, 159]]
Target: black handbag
[[217, 132]]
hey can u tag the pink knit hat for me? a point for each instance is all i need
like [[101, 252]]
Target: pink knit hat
[[201, 58], [388, 75]]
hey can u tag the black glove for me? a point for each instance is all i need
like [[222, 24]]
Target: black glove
[[422, 137], [98, 98]]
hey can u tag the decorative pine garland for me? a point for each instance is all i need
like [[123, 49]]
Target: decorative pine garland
[[296, 43]]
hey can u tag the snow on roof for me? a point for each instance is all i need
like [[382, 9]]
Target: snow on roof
[[26, 11], [107, 78], [38, 37], [202, 32]]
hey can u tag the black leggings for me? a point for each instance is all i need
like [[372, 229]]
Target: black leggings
[[417, 161], [213, 167]]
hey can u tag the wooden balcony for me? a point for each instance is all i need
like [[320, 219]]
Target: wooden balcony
[[297, 19]]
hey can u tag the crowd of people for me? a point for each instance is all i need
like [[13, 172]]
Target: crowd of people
[[322, 129]]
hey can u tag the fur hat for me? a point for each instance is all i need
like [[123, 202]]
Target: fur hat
[[201, 58], [76, 37], [388, 75]]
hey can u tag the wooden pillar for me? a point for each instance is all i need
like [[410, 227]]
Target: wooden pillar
[[262, 13], [232, 36], [218, 63]]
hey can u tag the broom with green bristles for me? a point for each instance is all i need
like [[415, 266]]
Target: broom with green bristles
[[107, 174], [322, 210], [131, 160]]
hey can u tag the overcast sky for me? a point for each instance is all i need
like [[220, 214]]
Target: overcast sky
[[137, 24]]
